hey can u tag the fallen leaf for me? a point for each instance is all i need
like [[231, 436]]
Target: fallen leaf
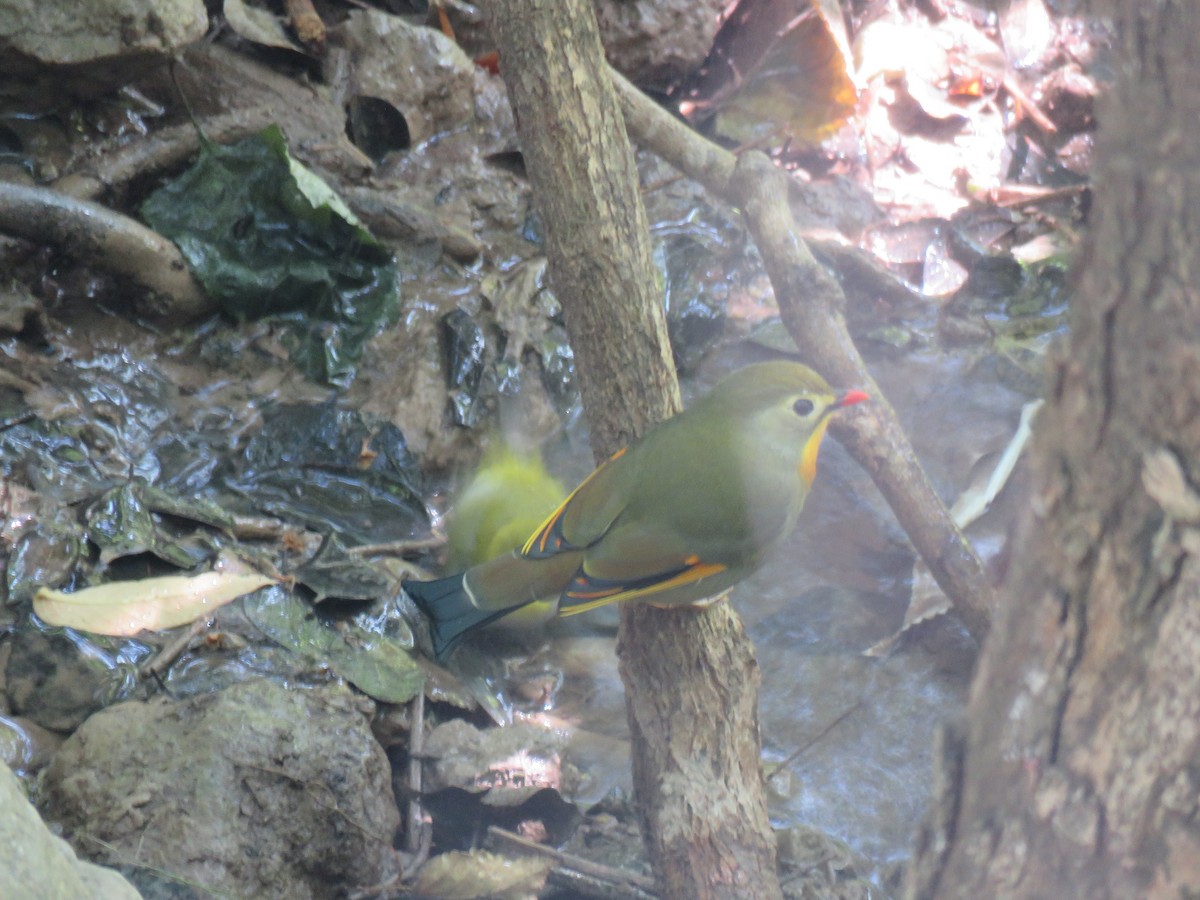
[[476, 875], [123, 608]]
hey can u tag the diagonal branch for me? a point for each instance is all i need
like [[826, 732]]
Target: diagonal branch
[[810, 301]]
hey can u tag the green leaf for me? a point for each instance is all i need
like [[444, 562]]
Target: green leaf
[[266, 236], [378, 665], [121, 524]]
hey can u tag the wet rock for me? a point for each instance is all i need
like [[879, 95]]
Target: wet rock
[[816, 866], [63, 33], [257, 791], [653, 42], [57, 680], [24, 745], [35, 863], [509, 776], [418, 71], [521, 758], [657, 42], [99, 43]]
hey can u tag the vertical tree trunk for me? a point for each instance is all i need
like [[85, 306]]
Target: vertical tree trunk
[[1079, 771], [690, 677]]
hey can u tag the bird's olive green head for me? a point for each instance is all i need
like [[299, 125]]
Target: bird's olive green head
[[781, 403]]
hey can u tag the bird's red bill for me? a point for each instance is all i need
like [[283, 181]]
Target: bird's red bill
[[851, 397]]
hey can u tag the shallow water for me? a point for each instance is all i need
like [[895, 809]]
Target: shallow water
[[855, 732]]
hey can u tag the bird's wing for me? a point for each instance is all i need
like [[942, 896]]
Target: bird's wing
[[630, 564], [588, 512], [587, 592]]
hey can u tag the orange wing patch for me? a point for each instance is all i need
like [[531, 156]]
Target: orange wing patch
[[586, 592], [549, 539]]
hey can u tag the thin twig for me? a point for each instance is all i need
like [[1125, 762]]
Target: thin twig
[[422, 853], [416, 743], [803, 748], [596, 870], [306, 23], [399, 548], [810, 301], [1028, 106], [158, 665]]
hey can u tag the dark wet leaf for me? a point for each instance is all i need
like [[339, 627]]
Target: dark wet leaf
[[358, 505], [558, 368], [1004, 299], [91, 425], [200, 510], [1044, 294], [333, 470], [993, 278], [45, 555], [55, 460], [393, 459], [378, 665], [304, 434], [695, 301], [265, 236], [334, 574], [120, 524], [186, 463], [444, 687], [465, 349]]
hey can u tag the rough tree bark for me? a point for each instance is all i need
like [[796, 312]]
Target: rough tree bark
[[1079, 769], [690, 676]]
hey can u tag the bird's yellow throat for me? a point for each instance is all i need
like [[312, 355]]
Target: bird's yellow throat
[[808, 456]]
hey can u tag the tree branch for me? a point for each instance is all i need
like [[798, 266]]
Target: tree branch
[[810, 302], [108, 239], [690, 676]]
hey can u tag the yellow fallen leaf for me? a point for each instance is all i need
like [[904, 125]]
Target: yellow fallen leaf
[[478, 874], [123, 608]]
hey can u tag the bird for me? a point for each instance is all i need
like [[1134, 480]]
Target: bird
[[507, 497], [676, 518]]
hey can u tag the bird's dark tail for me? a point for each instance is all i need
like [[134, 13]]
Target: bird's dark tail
[[450, 611]]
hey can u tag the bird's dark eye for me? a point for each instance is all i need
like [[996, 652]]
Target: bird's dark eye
[[803, 407]]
